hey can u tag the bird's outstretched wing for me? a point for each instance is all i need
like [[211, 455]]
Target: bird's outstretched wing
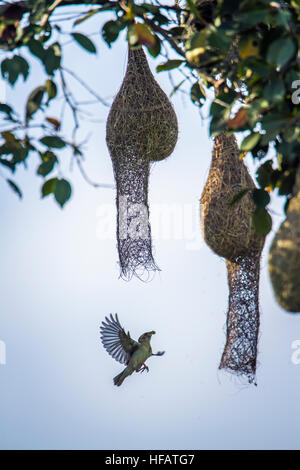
[[116, 342]]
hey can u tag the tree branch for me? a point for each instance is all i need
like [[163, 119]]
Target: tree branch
[[49, 12], [113, 3], [165, 35], [86, 86]]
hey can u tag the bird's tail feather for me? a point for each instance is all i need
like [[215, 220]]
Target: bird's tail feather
[[119, 379]]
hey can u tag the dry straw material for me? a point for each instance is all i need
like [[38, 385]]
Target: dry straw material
[[284, 256], [240, 352], [228, 231], [141, 128]]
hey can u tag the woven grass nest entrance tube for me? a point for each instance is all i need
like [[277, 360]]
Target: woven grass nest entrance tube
[[141, 128], [228, 231], [284, 256], [242, 325]]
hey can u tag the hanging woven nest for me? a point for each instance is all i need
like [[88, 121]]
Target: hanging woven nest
[[284, 256], [229, 232], [141, 128]]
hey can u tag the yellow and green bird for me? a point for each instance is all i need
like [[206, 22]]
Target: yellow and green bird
[[124, 349]]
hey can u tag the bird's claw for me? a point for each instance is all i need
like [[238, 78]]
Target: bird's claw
[[143, 368]]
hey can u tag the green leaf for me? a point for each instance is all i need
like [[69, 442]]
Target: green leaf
[[292, 134], [22, 65], [151, 8], [259, 66], [194, 9], [288, 150], [141, 34], [195, 45], [111, 31], [8, 136], [14, 147], [262, 221], [273, 122], [53, 141], [12, 68], [217, 125], [282, 18], [155, 50], [255, 110], [281, 51], [36, 48], [268, 137], [4, 108], [45, 168], [20, 154], [34, 101], [52, 58], [84, 42], [261, 198], [274, 91], [264, 174], [197, 94], [286, 184], [62, 191], [169, 65], [51, 89], [177, 31], [139, 10], [250, 141], [9, 164], [217, 39], [228, 98], [221, 107], [49, 187], [49, 160], [15, 188], [251, 18], [238, 196]]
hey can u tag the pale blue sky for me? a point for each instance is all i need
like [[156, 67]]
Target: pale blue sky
[[59, 280]]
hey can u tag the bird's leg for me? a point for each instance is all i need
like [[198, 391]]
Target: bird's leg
[[143, 367]]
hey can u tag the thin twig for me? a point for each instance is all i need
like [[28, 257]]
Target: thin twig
[[63, 3], [87, 179], [164, 34], [67, 95], [86, 86], [52, 7]]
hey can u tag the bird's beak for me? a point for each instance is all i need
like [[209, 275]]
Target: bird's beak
[[151, 333]]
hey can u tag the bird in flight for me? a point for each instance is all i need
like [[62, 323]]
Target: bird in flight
[[124, 349]]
